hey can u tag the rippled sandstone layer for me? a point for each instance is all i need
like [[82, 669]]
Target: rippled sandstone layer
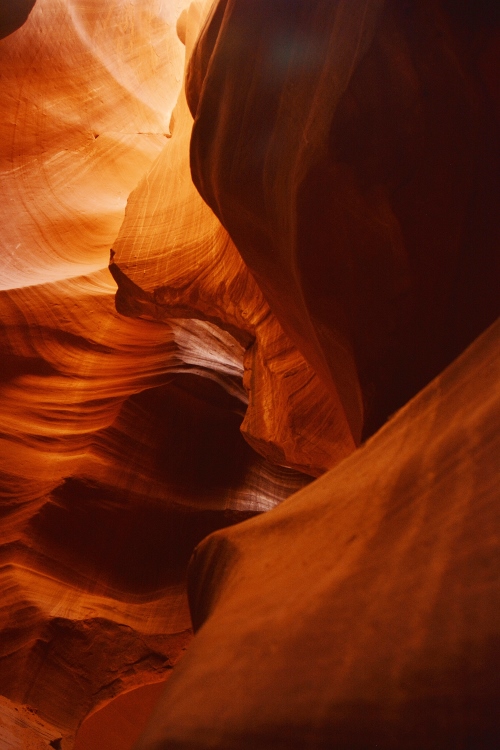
[[351, 151], [120, 439], [348, 151], [361, 612]]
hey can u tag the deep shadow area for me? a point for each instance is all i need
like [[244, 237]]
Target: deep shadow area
[[412, 153], [125, 542], [186, 436], [15, 365], [184, 449], [13, 13]]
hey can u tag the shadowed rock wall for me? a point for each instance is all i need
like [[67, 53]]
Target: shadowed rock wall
[[362, 612], [351, 150], [13, 15], [120, 439], [342, 253]]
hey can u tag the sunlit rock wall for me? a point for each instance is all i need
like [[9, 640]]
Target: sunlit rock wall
[[289, 268], [381, 628], [172, 258], [120, 439]]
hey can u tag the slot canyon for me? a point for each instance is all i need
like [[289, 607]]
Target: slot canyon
[[249, 374]]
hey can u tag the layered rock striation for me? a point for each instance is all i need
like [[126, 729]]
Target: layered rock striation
[[120, 439], [303, 236], [361, 612], [173, 259], [351, 150]]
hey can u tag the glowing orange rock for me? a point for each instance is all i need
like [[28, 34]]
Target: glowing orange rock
[[82, 119], [347, 148], [362, 611], [172, 259], [120, 438]]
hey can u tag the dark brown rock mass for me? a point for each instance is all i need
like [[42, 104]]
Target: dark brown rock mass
[[362, 612], [351, 150], [304, 236]]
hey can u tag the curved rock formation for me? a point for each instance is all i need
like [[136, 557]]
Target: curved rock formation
[[13, 15], [118, 724], [380, 628], [173, 259], [351, 151], [120, 438], [342, 252]]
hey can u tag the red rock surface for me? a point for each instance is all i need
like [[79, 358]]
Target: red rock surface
[[351, 150], [118, 725], [341, 251], [120, 438], [173, 259], [363, 611]]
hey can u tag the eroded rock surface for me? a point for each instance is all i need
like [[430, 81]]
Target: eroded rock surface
[[351, 151], [173, 259], [346, 252], [362, 612], [120, 439]]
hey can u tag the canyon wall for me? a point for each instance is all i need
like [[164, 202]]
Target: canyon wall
[[351, 150], [361, 612], [121, 445], [298, 205]]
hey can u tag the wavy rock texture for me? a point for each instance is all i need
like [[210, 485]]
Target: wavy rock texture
[[120, 438], [381, 628], [347, 150], [173, 259], [351, 151]]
